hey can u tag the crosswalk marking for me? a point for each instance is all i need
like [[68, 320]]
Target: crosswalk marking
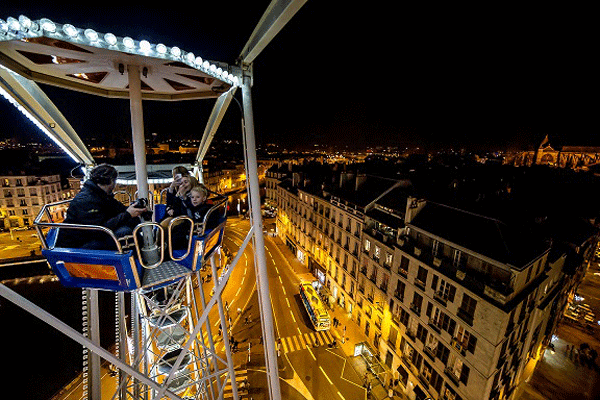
[[240, 375], [305, 340]]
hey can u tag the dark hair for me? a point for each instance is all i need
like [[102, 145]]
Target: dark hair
[[103, 174]]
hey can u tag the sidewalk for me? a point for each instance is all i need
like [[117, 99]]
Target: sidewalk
[[353, 336]]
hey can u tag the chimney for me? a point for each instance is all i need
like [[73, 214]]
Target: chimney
[[345, 177], [413, 206], [360, 180]]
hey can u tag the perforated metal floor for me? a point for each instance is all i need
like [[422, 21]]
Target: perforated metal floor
[[166, 271]]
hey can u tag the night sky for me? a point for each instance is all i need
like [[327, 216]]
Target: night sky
[[371, 73]]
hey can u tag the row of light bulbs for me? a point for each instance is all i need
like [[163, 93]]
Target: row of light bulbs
[[24, 25]]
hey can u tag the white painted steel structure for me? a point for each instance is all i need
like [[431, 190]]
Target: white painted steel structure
[[106, 65]]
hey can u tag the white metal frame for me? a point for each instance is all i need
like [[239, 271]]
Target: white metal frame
[[30, 100]]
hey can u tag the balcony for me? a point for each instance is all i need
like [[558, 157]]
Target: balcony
[[439, 297], [420, 284], [373, 278], [398, 295], [415, 308]]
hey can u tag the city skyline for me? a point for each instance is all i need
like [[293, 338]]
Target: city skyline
[[330, 76]]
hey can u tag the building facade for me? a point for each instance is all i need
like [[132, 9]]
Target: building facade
[[455, 305], [23, 196]]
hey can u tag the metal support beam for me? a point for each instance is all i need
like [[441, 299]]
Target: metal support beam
[[51, 320], [94, 359], [32, 102], [273, 20], [260, 259], [229, 357], [216, 116], [137, 129]]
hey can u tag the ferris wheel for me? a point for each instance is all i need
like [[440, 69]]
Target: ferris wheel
[[166, 348]]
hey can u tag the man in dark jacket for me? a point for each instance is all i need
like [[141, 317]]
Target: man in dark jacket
[[95, 205]]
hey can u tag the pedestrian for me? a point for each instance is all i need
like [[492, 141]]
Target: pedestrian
[[390, 392], [250, 318], [344, 335], [239, 311], [279, 347], [246, 321]]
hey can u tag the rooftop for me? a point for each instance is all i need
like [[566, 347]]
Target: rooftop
[[486, 236]]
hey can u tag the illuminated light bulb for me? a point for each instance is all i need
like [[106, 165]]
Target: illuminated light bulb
[[47, 25], [25, 22], [145, 46], [110, 39], [213, 68], [128, 42], [13, 24], [206, 65], [3, 26], [225, 75], [219, 71], [91, 35], [190, 57], [161, 48], [70, 30], [199, 61], [175, 51]]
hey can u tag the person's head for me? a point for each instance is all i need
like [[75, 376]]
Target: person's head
[[105, 176], [180, 170], [187, 183], [198, 195]]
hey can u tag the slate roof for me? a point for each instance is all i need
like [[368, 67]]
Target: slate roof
[[486, 236]]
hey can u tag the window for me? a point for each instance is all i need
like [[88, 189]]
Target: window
[[417, 303], [422, 333], [466, 310], [465, 339], [399, 293], [377, 253], [404, 317], [446, 291], [403, 268], [421, 278], [437, 248], [367, 245], [393, 336], [389, 259], [459, 259]]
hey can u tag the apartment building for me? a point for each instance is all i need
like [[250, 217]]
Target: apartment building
[[456, 305], [323, 228], [469, 300], [22, 197]]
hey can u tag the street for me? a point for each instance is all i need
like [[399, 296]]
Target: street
[[308, 367], [562, 374]]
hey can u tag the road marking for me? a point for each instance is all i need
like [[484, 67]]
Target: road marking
[[339, 394], [307, 338], [288, 302], [276, 270], [280, 281], [294, 318], [312, 354], [238, 292], [243, 278], [282, 288], [323, 371], [297, 342]]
